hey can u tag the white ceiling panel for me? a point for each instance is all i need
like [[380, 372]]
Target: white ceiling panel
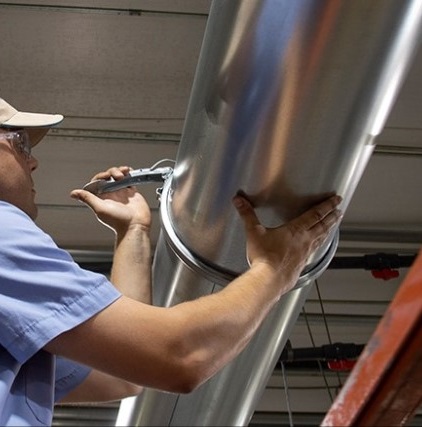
[[406, 112], [99, 65], [70, 162], [386, 193]]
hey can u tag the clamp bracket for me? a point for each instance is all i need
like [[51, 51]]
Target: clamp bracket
[[135, 177]]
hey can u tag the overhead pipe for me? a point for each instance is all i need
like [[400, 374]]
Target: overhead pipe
[[287, 100], [323, 353], [378, 261]]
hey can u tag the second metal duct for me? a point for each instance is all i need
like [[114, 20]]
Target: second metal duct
[[287, 100]]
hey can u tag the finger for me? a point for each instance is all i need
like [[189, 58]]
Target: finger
[[86, 197], [324, 226], [320, 232], [246, 212], [114, 172], [317, 213]]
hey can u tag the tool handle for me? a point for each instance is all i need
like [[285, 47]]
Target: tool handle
[[135, 177]]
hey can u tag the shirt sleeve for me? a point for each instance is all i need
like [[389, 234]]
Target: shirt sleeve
[[69, 375], [43, 292]]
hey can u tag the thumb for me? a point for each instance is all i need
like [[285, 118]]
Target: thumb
[[246, 212]]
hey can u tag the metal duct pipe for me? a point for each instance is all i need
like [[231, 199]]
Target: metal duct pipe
[[287, 100]]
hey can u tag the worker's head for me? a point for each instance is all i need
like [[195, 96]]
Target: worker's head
[[19, 132]]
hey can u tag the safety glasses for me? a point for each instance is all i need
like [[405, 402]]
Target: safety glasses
[[20, 141]]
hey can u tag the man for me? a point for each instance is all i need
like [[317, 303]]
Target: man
[[67, 334]]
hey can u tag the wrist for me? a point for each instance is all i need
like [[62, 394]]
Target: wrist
[[280, 279], [133, 228], [263, 270], [138, 233]]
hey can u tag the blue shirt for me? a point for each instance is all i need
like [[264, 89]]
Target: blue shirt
[[43, 293]]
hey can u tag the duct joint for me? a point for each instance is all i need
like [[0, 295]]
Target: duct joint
[[217, 274]]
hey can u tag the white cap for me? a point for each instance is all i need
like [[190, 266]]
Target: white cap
[[37, 124]]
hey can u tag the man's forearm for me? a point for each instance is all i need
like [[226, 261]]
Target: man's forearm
[[131, 271], [131, 275]]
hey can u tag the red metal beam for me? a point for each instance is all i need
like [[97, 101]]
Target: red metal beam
[[385, 386]]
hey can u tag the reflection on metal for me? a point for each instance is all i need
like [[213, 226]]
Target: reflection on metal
[[287, 100]]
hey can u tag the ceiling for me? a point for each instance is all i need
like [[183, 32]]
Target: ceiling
[[121, 71]]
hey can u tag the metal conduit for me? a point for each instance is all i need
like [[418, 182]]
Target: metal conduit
[[287, 100]]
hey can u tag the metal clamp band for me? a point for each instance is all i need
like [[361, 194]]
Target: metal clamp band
[[214, 274]]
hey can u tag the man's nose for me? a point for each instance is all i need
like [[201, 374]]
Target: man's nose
[[33, 163]]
